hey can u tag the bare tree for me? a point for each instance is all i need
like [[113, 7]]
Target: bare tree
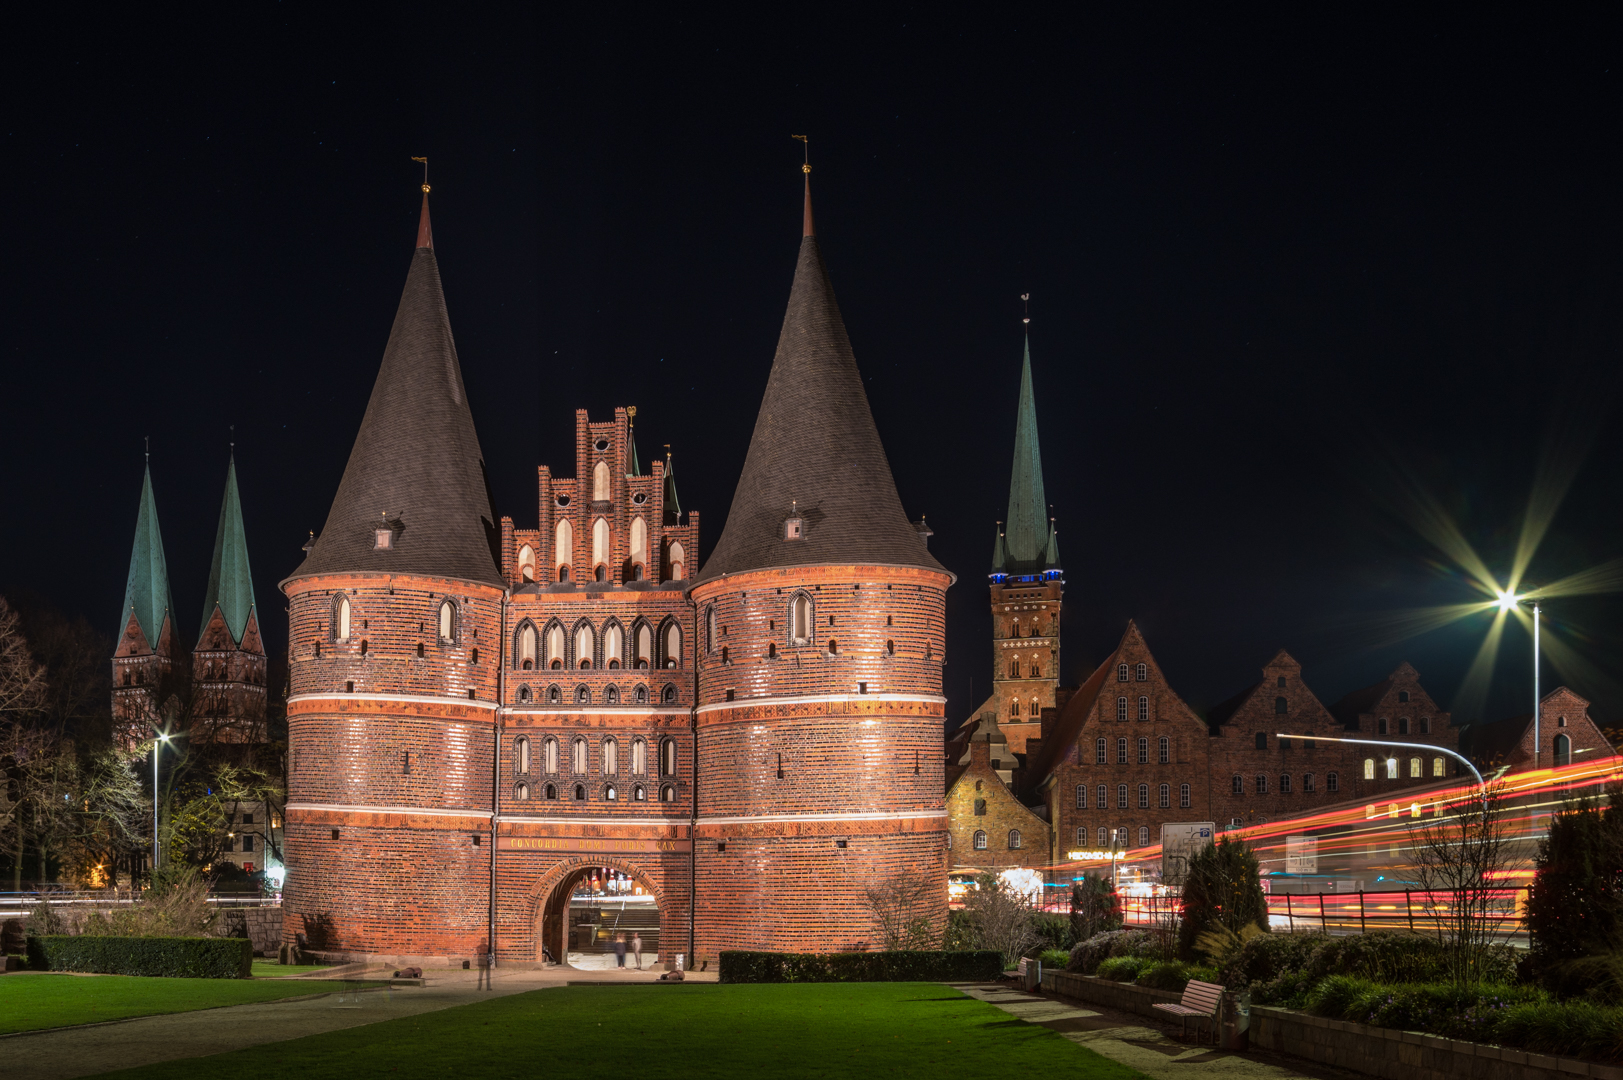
[[1001, 917], [908, 909], [1459, 853], [22, 681]]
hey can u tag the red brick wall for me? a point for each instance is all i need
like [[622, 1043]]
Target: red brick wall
[[1002, 813], [1031, 609]]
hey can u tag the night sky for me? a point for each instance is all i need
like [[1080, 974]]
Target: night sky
[[1281, 273]]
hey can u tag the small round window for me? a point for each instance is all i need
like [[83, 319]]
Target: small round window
[[563, 500], [601, 445], [639, 498]]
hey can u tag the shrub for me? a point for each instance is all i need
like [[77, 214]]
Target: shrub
[[1086, 956], [1174, 975], [176, 905], [1568, 1028], [1055, 958], [1282, 969], [1222, 888], [1124, 968], [1575, 905], [1053, 931], [740, 966], [1441, 1008], [961, 936], [175, 957], [1095, 907], [1266, 956]]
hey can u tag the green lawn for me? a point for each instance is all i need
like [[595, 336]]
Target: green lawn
[[45, 1000], [802, 1030], [270, 969]]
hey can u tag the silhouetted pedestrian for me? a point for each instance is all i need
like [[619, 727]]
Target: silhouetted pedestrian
[[619, 950]]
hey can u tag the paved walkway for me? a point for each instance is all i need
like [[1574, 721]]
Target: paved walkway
[[1137, 1041], [122, 1044]]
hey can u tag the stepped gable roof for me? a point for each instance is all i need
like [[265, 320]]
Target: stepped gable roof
[[1359, 702], [1026, 530], [416, 467], [815, 452], [231, 584], [146, 590], [1221, 713]]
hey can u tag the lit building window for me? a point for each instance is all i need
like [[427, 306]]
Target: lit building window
[[980, 839], [1369, 768]]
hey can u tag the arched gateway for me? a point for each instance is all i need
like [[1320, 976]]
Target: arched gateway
[[567, 920]]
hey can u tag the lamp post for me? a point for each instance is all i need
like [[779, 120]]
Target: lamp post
[[157, 748], [1507, 601]]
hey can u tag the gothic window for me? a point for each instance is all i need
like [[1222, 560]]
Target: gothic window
[[600, 549], [1307, 784], [1284, 783], [639, 547], [1014, 669], [1262, 784], [611, 756], [522, 792], [1143, 796], [1121, 708], [1036, 670], [1014, 708], [1143, 672], [551, 792], [667, 793], [1014, 839], [1033, 709], [1164, 796], [639, 793], [600, 482], [1369, 768], [563, 549], [673, 646], [1121, 672], [1440, 768], [1121, 796], [1262, 740], [1101, 752], [555, 646], [447, 622], [645, 645], [1164, 749], [340, 619], [669, 694], [1103, 801], [611, 696], [583, 695], [710, 635], [834, 648], [1143, 708], [980, 839], [1415, 769], [772, 650], [1183, 796], [577, 756], [1121, 751], [613, 645], [526, 563], [580, 792], [526, 646], [549, 755], [610, 793], [677, 562], [667, 757], [522, 752], [639, 756], [585, 645], [555, 696], [1143, 751], [1403, 725], [801, 617], [1563, 751], [1332, 781], [1281, 706], [524, 695], [1237, 787]]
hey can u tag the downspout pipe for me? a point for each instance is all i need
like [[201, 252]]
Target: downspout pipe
[[496, 770], [693, 820]]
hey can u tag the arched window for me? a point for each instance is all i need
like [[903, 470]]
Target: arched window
[[639, 793], [1121, 708], [526, 646], [526, 563], [1238, 786], [521, 747], [1380, 726], [1036, 670], [1143, 708], [1262, 784], [610, 793], [1081, 796], [1143, 835], [585, 645], [1440, 768], [522, 792], [1014, 668], [1014, 709], [1103, 797], [1121, 751], [667, 757], [640, 695], [1403, 725], [1563, 751], [1143, 751], [677, 562], [580, 792], [577, 756], [1391, 768], [1014, 839], [1183, 796], [1425, 724], [1307, 784], [1143, 796], [1015, 630], [524, 695], [447, 622], [711, 636], [1560, 721], [667, 793], [639, 756], [611, 756], [600, 482], [1033, 709], [552, 793], [1284, 783], [340, 619], [1415, 769], [1163, 747], [1164, 796], [563, 550], [639, 547], [801, 616], [645, 645], [673, 646], [1104, 837], [555, 696], [613, 645], [555, 646], [980, 839], [549, 756], [1101, 751], [1332, 781], [600, 548], [1281, 706], [1143, 672], [1121, 672], [583, 695], [1121, 796], [1369, 768]]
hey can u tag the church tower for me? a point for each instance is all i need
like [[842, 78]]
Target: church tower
[[1027, 587], [228, 664], [145, 664], [822, 630], [394, 650]]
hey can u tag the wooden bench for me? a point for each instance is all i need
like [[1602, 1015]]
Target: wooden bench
[[1200, 1000]]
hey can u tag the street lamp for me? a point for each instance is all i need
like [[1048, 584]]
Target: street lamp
[[162, 739], [1507, 602]]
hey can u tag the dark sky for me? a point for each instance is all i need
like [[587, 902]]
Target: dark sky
[[1279, 271]]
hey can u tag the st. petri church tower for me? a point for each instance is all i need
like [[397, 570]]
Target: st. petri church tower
[[822, 627]]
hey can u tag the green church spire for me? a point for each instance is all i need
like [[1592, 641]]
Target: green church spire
[[146, 593], [1026, 532], [231, 586], [1000, 557]]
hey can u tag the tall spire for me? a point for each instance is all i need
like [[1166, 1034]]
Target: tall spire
[[633, 465], [815, 449], [231, 584], [414, 498], [146, 591], [1026, 533], [1000, 556], [425, 231], [673, 505]]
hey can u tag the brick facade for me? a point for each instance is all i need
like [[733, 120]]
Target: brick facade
[[228, 683], [1025, 656], [1566, 736], [988, 828], [144, 676]]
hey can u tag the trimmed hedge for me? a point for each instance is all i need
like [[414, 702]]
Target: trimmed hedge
[[185, 958], [739, 966]]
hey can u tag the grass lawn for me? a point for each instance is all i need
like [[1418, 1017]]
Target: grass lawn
[[803, 1030], [270, 969], [46, 1000]]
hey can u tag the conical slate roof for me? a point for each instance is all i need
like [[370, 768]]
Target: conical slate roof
[[416, 466], [672, 503], [146, 591], [231, 584], [1026, 529], [816, 451]]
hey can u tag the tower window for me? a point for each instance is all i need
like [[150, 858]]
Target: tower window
[[1121, 673], [447, 622], [1014, 669], [340, 621], [800, 619], [522, 754]]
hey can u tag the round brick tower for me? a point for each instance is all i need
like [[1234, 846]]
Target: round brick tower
[[822, 630], [394, 649]]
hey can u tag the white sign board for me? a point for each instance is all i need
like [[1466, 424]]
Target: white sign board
[[1179, 843], [1301, 855]]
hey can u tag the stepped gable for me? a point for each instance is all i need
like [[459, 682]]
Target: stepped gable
[[231, 584], [815, 452], [146, 590], [416, 467], [1357, 702]]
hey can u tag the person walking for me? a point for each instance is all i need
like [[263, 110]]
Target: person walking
[[636, 948], [620, 950]]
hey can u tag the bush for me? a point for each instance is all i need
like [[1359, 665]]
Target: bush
[[1053, 931], [1575, 905], [1282, 969], [1567, 1028], [1174, 975], [740, 966], [1095, 907], [175, 957], [1124, 968], [1055, 958], [1086, 956], [1222, 888], [176, 905]]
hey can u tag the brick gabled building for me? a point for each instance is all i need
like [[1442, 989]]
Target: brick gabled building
[[989, 828], [228, 663], [148, 659], [1566, 735]]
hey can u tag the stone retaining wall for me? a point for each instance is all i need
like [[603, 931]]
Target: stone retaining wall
[[1124, 997], [260, 925], [1406, 1055]]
